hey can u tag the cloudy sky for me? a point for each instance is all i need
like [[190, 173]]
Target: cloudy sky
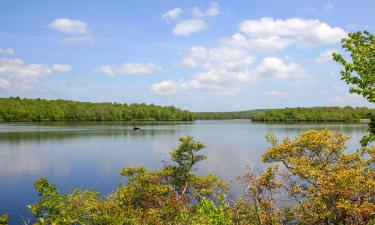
[[198, 55]]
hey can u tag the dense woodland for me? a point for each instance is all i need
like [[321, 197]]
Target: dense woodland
[[22, 109], [318, 114], [227, 115]]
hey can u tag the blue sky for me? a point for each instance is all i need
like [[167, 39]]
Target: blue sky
[[197, 55]]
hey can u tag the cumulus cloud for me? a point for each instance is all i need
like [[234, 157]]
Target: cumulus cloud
[[325, 56], [7, 51], [129, 69], [187, 27], [195, 24], [257, 44], [229, 81], [168, 87], [172, 14], [228, 67], [61, 68], [276, 68], [213, 10], [69, 26], [78, 30], [21, 75], [303, 32], [224, 57]]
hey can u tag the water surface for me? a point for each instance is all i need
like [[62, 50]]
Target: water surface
[[87, 155]]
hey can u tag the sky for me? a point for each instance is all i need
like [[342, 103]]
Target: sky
[[194, 54]]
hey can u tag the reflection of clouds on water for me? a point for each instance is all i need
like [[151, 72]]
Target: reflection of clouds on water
[[18, 163], [61, 169]]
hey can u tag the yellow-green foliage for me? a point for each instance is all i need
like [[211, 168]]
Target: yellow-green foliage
[[4, 220], [329, 184]]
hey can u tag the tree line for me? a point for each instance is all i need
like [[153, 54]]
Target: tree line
[[15, 109], [316, 114]]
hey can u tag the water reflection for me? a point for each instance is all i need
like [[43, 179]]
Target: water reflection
[[91, 154]]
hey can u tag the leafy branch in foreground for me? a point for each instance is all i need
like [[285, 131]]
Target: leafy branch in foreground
[[359, 72]]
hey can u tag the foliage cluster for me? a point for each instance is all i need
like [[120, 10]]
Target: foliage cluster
[[18, 109], [359, 72]]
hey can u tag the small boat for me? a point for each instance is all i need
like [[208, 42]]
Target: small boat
[[136, 128]]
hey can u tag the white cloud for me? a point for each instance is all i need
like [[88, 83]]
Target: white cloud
[[258, 44], [172, 14], [192, 25], [224, 57], [78, 30], [168, 87], [109, 70], [69, 26], [189, 26], [21, 75], [61, 68], [221, 81], [325, 57], [213, 10], [129, 69], [225, 80], [275, 68], [303, 32], [274, 93], [4, 84], [227, 68], [7, 51]]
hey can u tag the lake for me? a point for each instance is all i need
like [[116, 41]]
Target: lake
[[85, 155]]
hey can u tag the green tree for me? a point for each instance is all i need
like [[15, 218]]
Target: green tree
[[172, 195], [359, 71]]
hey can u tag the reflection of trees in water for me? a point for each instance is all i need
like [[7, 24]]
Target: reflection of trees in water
[[41, 136]]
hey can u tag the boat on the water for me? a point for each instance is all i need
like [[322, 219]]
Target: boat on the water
[[136, 128]]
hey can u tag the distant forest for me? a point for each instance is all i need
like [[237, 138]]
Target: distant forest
[[21, 109], [318, 114], [15, 109], [248, 114]]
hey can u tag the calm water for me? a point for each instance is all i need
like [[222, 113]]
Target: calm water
[[91, 154]]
